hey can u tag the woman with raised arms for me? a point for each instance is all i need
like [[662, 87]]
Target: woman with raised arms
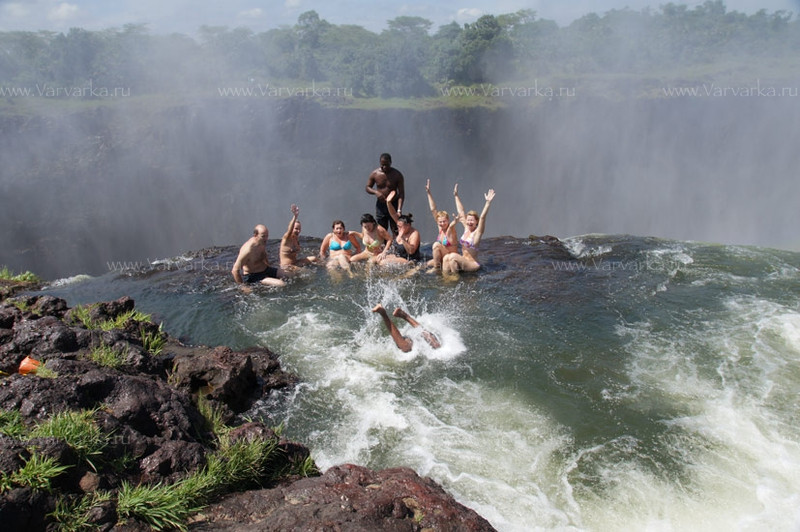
[[446, 241], [474, 226]]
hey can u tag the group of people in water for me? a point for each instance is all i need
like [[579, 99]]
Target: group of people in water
[[374, 244]]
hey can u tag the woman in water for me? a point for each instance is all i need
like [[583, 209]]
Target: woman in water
[[474, 226], [339, 246], [376, 240], [405, 246], [447, 241], [290, 244]]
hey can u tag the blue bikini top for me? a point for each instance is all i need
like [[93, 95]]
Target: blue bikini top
[[335, 246]]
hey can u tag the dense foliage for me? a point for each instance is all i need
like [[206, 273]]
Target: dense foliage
[[407, 59]]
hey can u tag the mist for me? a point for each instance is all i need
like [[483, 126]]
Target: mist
[[135, 179]]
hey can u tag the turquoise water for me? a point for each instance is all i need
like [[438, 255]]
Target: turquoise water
[[618, 383]]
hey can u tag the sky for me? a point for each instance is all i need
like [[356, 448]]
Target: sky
[[186, 16]]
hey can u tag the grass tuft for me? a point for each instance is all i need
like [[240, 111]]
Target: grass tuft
[[306, 468], [213, 415], [161, 505], [11, 424], [46, 373], [25, 277], [35, 474], [83, 314], [107, 356], [120, 321], [232, 467], [72, 514], [153, 342], [78, 430]]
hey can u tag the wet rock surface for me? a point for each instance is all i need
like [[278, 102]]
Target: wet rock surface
[[146, 406]]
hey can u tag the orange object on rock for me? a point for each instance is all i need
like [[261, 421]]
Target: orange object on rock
[[28, 365]]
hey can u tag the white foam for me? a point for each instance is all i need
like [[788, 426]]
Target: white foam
[[741, 462], [66, 281], [579, 249], [787, 326]]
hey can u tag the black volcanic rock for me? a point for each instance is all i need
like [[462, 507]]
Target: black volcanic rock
[[155, 433]]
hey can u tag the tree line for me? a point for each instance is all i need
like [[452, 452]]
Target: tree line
[[407, 59]]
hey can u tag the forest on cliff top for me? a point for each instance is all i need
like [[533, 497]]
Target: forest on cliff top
[[409, 59]]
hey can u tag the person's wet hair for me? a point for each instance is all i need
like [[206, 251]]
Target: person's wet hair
[[367, 218]]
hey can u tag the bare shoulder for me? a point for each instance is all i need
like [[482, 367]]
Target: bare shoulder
[[245, 248]]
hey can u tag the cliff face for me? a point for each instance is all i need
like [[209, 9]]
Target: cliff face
[[142, 181]]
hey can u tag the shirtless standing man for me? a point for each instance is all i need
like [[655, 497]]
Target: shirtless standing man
[[290, 244], [381, 182], [252, 266]]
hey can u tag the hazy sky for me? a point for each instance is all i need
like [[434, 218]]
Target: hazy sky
[[185, 16]]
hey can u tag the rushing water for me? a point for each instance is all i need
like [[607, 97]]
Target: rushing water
[[614, 383]]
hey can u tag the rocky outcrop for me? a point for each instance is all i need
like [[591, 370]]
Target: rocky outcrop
[[146, 406], [346, 497]]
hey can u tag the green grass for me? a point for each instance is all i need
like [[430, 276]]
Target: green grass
[[78, 430], [11, 424], [37, 473], [28, 277], [45, 373], [161, 506], [82, 314], [120, 321], [72, 514], [307, 468], [233, 466], [212, 415], [22, 305], [153, 342], [107, 356]]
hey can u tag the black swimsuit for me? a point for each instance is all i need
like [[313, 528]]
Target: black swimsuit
[[258, 276], [400, 251]]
